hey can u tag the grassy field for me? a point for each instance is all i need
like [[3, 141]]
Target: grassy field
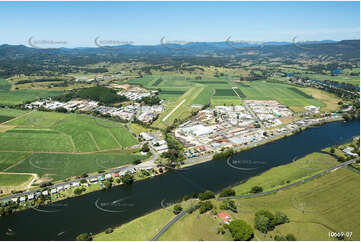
[[11, 97], [329, 203], [182, 111], [20, 139], [10, 158], [58, 132], [61, 166], [353, 80], [13, 179], [282, 175], [174, 86], [58, 145], [8, 114], [285, 94], [145, 224]]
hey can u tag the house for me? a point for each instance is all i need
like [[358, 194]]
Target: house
[[225, 217], [30, 197], [115, 175], [22, 199], [93, 180], [45, 193], [108, 176], [53, 191], [76, 184], [348, 151], [67, 186], [100, 178], [60, 188], [14, 199]]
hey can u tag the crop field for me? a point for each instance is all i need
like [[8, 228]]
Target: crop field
[[11, 97], [20, 139], [13, 179], [171, 94], [353, 80], [285, 94], [58, 132], [8, 159], [61, 166], [8, 114]]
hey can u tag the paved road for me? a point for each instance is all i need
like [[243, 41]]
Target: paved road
[[175, 219], [293, 184]]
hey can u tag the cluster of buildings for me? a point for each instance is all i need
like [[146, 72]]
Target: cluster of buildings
[[63, 187], [156, 141], [130, 112], [72, 105], [135, 93], [269, 112], [216, 128]]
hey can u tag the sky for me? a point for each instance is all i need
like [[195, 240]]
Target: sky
[[77, 24]]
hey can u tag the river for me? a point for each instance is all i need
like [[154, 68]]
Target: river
[[94, 212]]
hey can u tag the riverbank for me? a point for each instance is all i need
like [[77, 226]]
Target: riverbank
[[97, 187], [204, 226], [269, 140], [122, 204]]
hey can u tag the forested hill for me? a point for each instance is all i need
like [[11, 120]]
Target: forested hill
[[19, 59]]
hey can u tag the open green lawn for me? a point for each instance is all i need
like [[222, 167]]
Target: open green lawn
[[13, 179], [10, 158], [61, 166]]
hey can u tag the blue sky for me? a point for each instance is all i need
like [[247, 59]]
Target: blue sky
[[79, 23]]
